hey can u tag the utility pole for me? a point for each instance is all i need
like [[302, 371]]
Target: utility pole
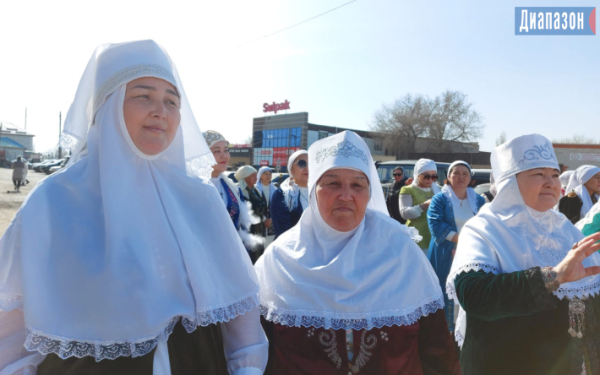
[[59, 134], [25, 118]]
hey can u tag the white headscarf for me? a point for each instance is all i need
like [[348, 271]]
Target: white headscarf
[[241, 174], [125, 244], [100, 79], [372, 276], [293, 158], [450, 194], [290, 189], [508, 236], [424, 165], [564, 178], [576, 181], [259, 184]]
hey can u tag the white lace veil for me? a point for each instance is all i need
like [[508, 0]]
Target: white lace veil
[[107, 255], [372, 276]]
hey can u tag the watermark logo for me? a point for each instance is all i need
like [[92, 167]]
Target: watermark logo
[[555, 21]]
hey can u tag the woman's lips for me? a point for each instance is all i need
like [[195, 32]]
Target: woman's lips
[[154, 129]]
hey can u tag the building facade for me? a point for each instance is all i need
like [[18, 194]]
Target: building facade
[[275, 138], [576, 155], [13, 143]]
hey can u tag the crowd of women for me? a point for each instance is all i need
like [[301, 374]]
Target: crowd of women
[[160, 279]]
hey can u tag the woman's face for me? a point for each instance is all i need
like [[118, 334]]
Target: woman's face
[[342, 197], [300, 174], [220, 151], [593, 184], [265, 178], [427, 178], [540, 188], [151, 114], [251, 180], [460, 177]]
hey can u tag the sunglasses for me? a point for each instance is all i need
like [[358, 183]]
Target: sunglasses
[[430, 177], [301, 164], [397, 174]]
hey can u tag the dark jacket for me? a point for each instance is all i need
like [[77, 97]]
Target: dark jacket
[[283, 218]]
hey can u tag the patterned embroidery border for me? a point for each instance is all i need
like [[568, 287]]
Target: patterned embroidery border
[[345, 148], [129, 74], [211, 137], [544, 152]]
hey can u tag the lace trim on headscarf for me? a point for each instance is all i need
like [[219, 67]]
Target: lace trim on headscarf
[[474, 266], [66, 347], [10, 302], [200, 166], [129, 74], [356, 321], [69, 141]]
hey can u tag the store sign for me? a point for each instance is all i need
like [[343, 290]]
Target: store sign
[[276, 106], [264, 163], [580, 156]]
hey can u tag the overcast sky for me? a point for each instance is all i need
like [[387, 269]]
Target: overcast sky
[[340, 67]]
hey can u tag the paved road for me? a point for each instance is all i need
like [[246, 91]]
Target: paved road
[[10, 203]]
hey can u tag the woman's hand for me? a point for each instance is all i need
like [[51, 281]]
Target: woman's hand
[[268, 223], [571, 268], [409, 181], [425, 205], [455, 238]]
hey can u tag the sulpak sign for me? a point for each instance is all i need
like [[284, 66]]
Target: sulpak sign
[[276, 106]]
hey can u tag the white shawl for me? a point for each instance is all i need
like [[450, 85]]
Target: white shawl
[[106, 255], [372, 276], [508, 236]]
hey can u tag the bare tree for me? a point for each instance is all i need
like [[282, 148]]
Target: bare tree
[[447, 117], [577, 139], [501, 139]]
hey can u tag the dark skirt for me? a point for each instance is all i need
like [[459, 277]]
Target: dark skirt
[[199, 352]]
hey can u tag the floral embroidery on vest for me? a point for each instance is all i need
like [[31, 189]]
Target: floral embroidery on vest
[[368, 342]]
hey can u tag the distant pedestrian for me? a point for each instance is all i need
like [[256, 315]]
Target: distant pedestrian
[[19, 172], [291, 199], [392, 198], [415, 199], [247, 177]]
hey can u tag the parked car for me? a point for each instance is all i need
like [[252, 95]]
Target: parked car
[[37, 166], [386, 169], [481, 176], [56, 168], [46, 167], [482, 188]]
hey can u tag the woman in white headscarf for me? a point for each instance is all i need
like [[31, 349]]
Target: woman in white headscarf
[[291, 199], [247, 177], [415, 199], [564, 180], [267, 189], [121, 280], [525, 277], [447, 214], [581, 193], [347, 290], [264, 184], [238, 208]]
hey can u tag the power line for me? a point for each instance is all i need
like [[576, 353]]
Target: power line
[[297, 24]]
